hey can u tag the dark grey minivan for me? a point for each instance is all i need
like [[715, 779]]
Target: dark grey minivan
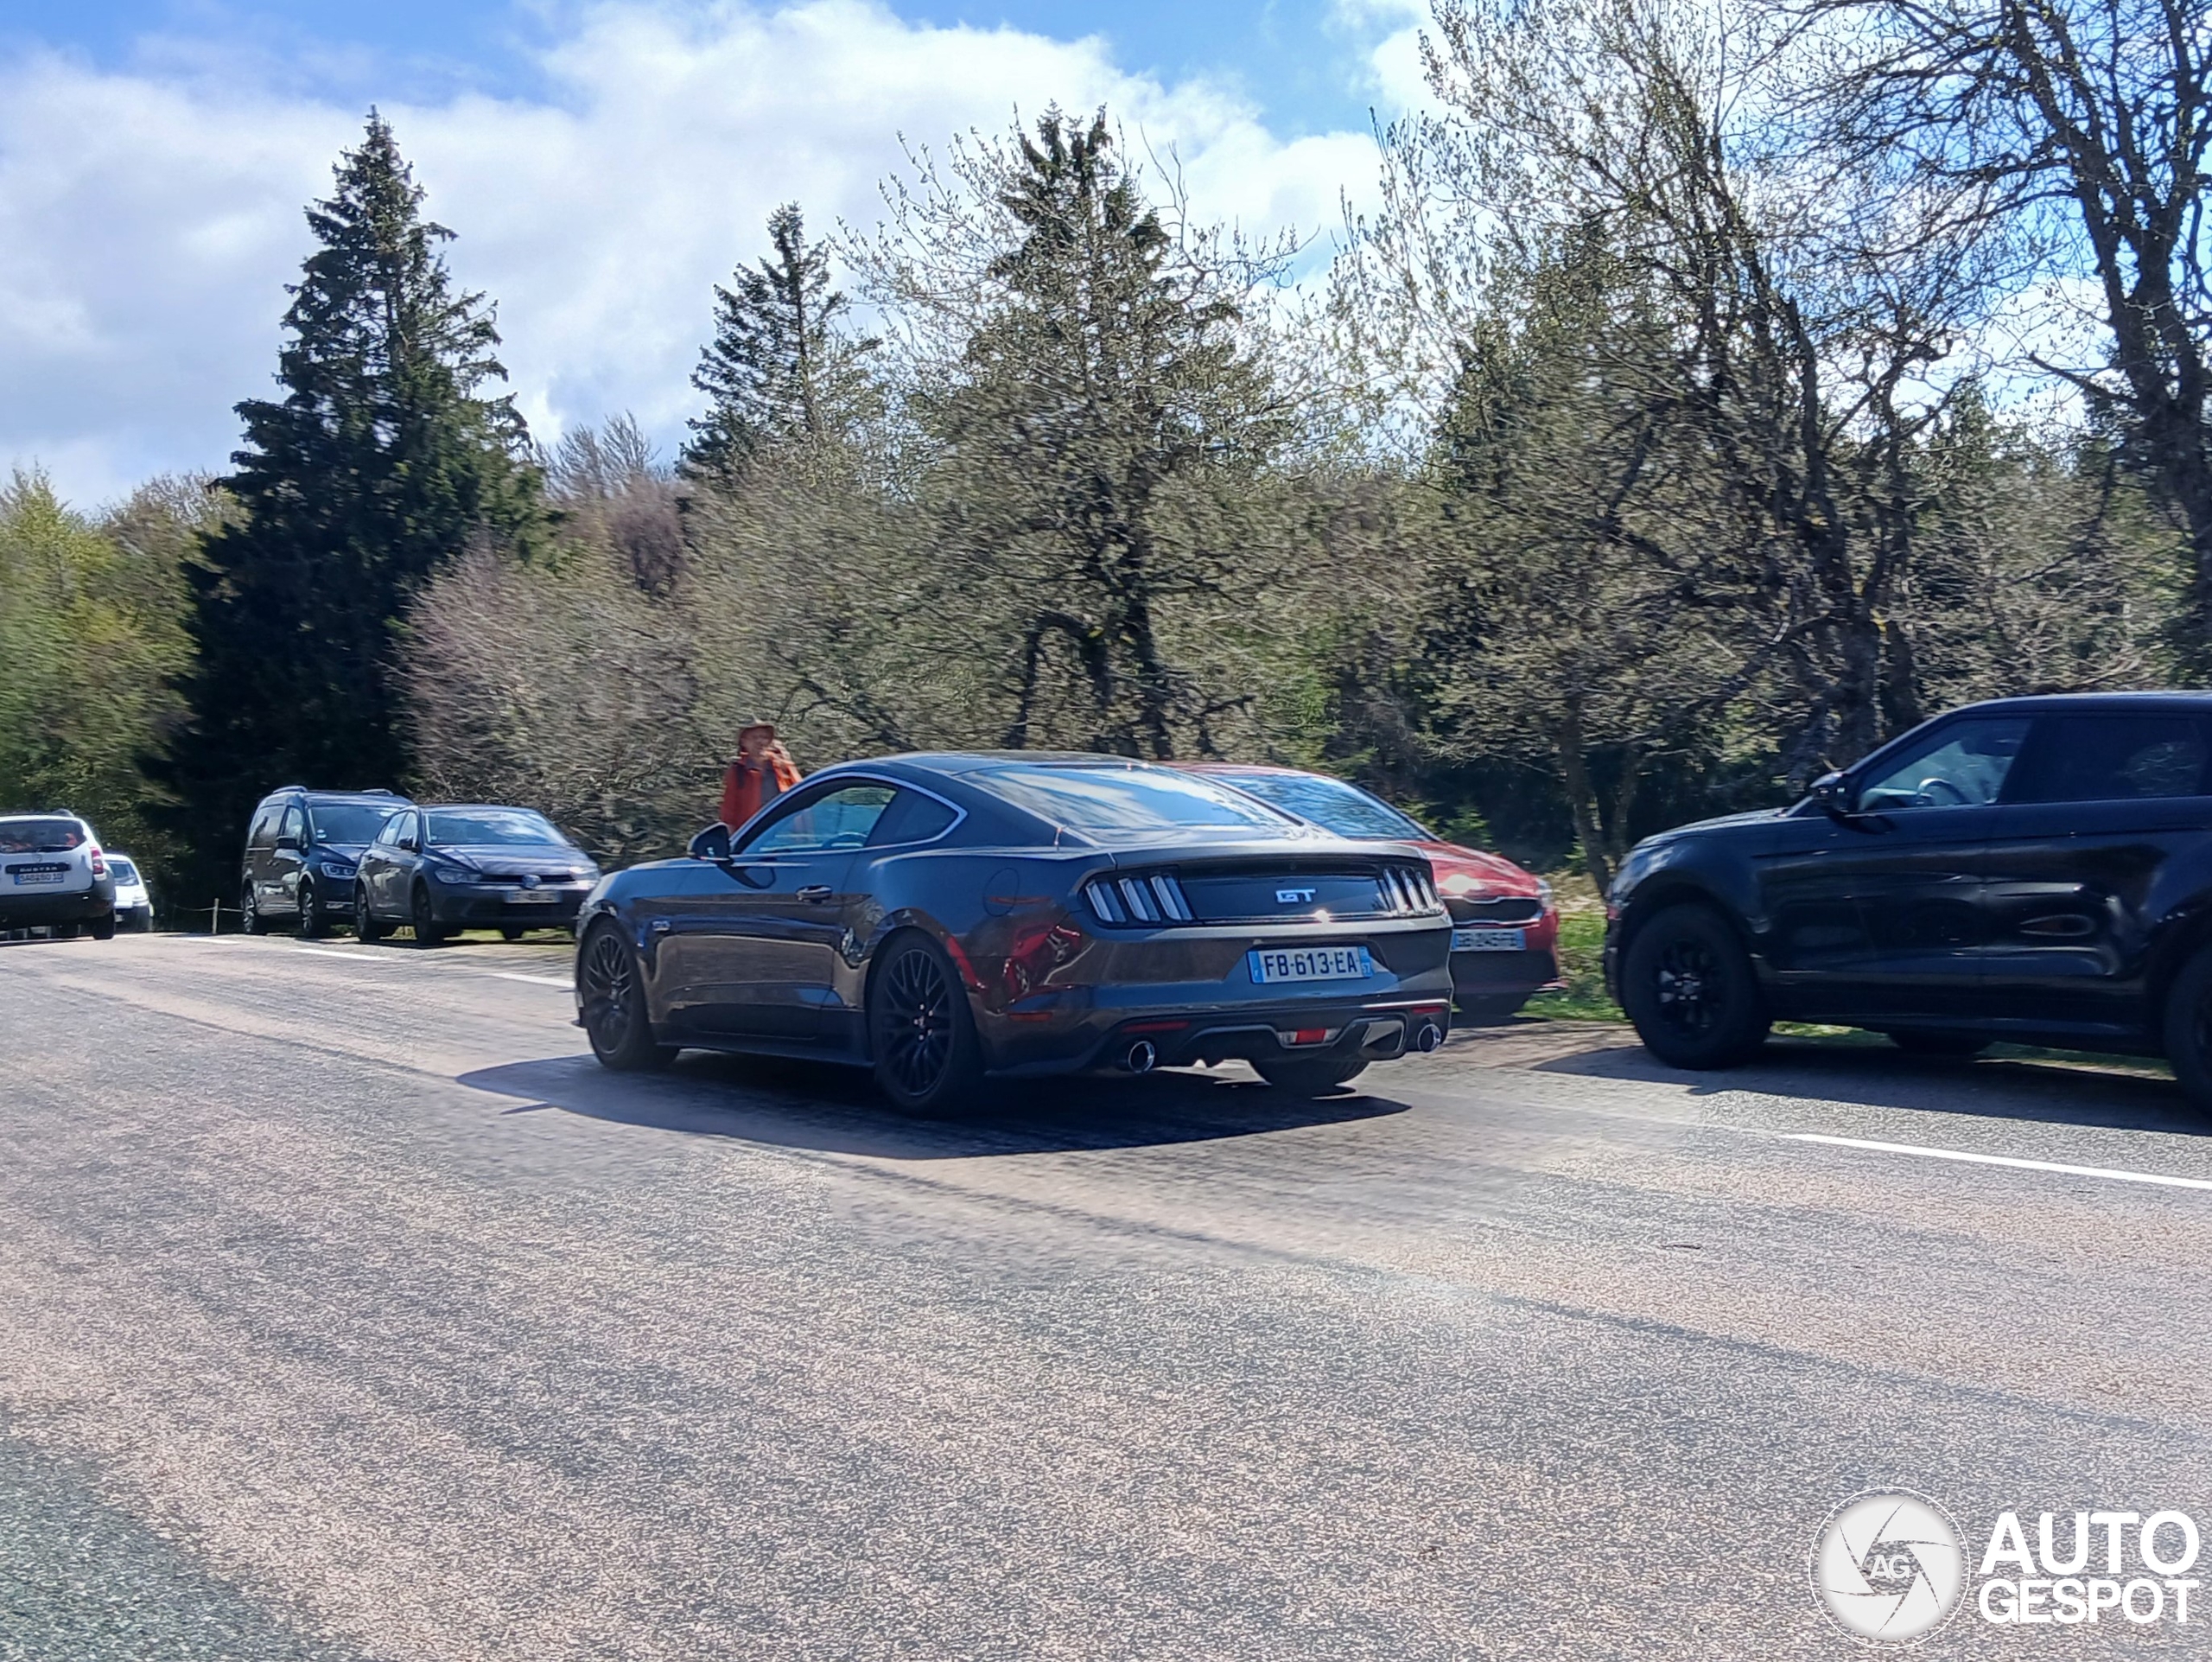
[[301, 849]]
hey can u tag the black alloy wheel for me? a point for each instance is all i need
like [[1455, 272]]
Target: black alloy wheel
[[615, 1017], [366, 929], [1690, 991], [920, 1030], [309, 924], [429, 931], [2189, 1029], [250, 918]]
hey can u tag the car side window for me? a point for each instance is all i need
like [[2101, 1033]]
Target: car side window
[[837, 820], [264, 834], [2116, 758], [1962, 764], [388, 833], [294, 826], [911, 817]]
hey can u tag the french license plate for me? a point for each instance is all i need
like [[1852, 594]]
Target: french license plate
[[40, 876], [1271, 964], [1490, 941]]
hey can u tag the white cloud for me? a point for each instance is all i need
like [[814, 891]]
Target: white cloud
[[150, 221]]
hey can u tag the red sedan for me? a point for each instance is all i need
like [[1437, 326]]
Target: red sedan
[[1505, 929]]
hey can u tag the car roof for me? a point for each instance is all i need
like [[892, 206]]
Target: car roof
[[392, 797], [43, 814], [2043, 703]]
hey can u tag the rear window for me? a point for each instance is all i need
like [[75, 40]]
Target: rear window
[[1331, 804], [39, 836], [123, 871], [479, 827], [1108, 800], [347, 822]]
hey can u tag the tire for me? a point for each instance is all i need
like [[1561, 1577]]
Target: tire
[[921, 1031], [366, 929], [429, 931], [2189, 1029], [1689, 989], [250, 918], [102, 928], [308, 925], [1310, 1076], [1956, 1044], [509, 931], [615, 1017]]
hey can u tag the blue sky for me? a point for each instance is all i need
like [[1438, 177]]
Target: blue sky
[[1297, 60], [603, 162]]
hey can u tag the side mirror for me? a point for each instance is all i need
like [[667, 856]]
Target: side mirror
[[712, 843], [1831, 793], [291, 842]]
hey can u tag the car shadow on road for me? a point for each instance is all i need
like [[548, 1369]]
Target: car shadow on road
[[836, 1110], [1876, 1076]]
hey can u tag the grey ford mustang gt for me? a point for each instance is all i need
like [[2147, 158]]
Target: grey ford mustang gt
[[943, 918]]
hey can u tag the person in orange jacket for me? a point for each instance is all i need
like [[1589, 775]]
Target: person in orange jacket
[[764, 770]]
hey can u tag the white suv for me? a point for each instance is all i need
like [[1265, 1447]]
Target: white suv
[[52, 872]]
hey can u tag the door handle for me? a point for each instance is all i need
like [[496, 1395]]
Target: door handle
[[814, 892]]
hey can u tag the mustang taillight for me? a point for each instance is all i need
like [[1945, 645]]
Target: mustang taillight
[[1157, 898], [1408, 889]]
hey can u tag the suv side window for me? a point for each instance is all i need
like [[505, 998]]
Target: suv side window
[[1962, 764], [294, 826], [2115, 758], [264, 834]]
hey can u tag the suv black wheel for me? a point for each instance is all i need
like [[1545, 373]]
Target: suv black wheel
[[429, 931], [920, 1031], [615, 1018], [250, 918], [1310, 1076], [2189, 1029], [1690, 991], [1936, 1044], [308, 925], [102, 927], [365, 926]]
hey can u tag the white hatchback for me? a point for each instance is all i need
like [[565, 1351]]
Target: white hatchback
[[134, 902], [53, 873]]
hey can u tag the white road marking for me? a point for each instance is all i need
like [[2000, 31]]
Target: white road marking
[[534, 980], [2106, 1172], [350, 957]]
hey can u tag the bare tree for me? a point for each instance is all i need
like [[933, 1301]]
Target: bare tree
[[2084, 124]]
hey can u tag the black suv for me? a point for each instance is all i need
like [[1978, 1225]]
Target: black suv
[[2033, 869], [301, 848]]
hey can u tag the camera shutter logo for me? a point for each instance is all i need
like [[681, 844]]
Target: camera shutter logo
[[1888, 1565]]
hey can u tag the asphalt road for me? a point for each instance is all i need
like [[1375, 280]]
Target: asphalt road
[[347, 1310]]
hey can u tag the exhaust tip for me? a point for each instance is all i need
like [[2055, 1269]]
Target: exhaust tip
[[1141, 1057], [1428, 1038]]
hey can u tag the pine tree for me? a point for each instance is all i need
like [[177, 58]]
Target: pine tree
[[779, 368], [380, 464]]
